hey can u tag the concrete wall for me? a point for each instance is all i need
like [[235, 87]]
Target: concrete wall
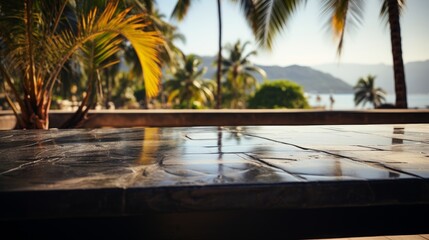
[[171, 118]]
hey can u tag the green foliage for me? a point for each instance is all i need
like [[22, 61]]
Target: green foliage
[[169, 53], [140, 94], [366, 92], [279, 94], [181, 9], [267, 18], [187, 88], [46, 34], [239, 73]]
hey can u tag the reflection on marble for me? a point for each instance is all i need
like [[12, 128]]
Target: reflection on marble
[[185, 156], [151, 158]]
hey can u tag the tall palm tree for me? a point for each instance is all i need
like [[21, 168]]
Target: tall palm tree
[[349, 12], [219, 65], [267, 18], [41, 40], [366, 92], [254, 10], [239, 72], [179, 12], [392, 11], [187, 88]]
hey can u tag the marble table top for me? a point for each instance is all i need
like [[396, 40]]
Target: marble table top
[[134, 170]]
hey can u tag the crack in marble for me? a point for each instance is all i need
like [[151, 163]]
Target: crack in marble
[[136, 173], [7, 136], [379, 135], [371, 147], [373, 163], [186, 173], [28, 164], [36, 143], [275, 167], [174, 156], [279, 158], [396, 170]]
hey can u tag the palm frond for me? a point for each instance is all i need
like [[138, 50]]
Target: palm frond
[[35, 49], [249, 11], [181, 9], [105, 29], [256, 69], [342, 14], [245, 59], [384, 11], [270, 17]]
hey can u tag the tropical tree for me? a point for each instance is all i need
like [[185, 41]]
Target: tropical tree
[[179, 12], [267, 18], [108, 84], [123, 94], [279, 94], [239, 72], [366, 92], [349, 12], [38, 37], [392, 10], [187, 88], [69, 80], [169, 53]]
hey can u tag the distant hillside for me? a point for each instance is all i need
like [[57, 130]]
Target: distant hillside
[[312, 80], [416, 73]]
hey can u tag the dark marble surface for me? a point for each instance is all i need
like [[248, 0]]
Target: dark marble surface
[[121, 172]]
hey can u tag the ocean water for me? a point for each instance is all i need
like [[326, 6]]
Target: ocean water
[[346, 101]]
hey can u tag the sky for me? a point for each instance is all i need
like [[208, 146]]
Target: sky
[[306, 41]]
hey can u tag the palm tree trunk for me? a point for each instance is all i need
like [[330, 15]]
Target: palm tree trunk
[[219, 60], [398, 64]]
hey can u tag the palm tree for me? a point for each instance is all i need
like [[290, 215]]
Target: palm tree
[[169, 53], [219, 65], [365, 92], [239, 74], [179, 12], [267, 18], [249, 8], [349, 12], [392, 10], [42, 39], [187, 88]]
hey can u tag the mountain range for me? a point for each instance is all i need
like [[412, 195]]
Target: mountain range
[[416, 74], [312, 80], [340, 78]]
